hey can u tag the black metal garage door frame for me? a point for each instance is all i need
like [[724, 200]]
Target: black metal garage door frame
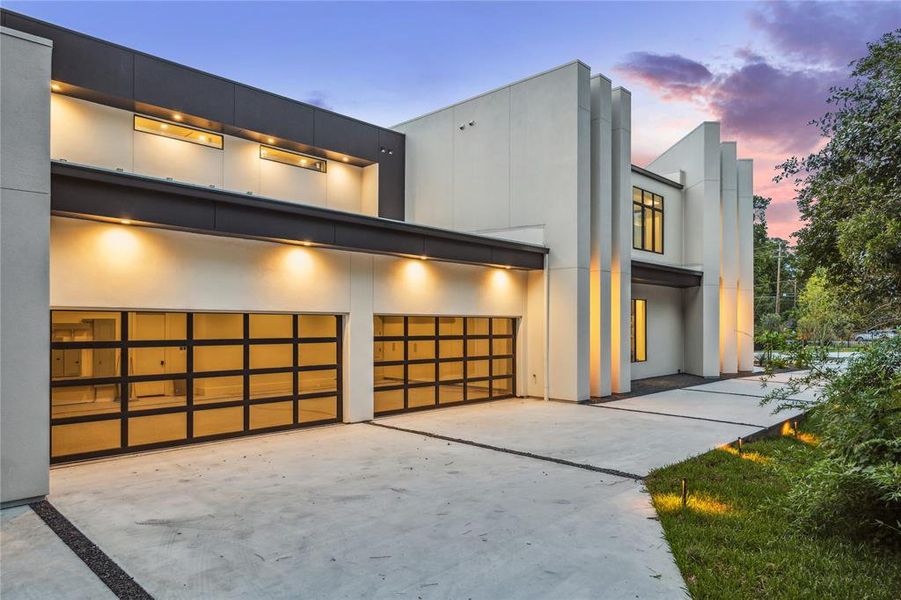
[[465, 358], [123, 379]]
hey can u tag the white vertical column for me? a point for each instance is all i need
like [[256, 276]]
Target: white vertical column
[[601, 232], [745, 324], [24, 265], [358, 332], [621, 241], [728, 257], [711, 249]]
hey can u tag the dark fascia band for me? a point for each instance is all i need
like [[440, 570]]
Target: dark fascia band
[[656, 177], [99, 194], [665, 275]]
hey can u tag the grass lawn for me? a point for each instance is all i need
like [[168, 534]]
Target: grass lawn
[[734, 541]]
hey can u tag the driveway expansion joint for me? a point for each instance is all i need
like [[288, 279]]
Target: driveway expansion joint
[[111, 574], [663, 414], [559, 461]]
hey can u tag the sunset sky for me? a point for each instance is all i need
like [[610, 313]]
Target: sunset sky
[[763, 70]]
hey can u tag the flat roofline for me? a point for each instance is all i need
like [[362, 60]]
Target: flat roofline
[[656, 177], [575, 61], [4, 11], [26, 36], [100, 194]]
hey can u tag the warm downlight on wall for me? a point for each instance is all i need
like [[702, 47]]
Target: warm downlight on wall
[[167, 147]]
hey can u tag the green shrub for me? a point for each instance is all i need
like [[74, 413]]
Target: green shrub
[[856, 487], [773, 343]]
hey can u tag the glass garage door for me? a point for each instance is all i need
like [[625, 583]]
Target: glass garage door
[[132, 380], [424, 362]]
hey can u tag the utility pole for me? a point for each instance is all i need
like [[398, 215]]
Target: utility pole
[[778, 276]]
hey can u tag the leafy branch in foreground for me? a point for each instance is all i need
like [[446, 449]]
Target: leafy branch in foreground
[[856, 486]]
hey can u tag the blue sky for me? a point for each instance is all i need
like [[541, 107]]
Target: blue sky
[[386, 62]]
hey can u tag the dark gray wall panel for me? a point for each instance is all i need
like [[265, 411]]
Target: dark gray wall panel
[[391, 140], [247, 221], [92, 193], [654, 274], [378, 240], [391, 184], [182, 89], [343, 134], [77, 196], [458, 250], [509, 257], [270, 114], [81, 60]]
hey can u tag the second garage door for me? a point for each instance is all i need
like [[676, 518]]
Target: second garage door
[[429, 361]]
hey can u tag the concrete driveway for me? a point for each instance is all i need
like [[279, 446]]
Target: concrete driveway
[[354, 511], [633, 436]]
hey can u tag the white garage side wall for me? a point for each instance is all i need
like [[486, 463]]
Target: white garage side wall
[[518, 158], [665, 333], [24, 218], [101, 265], [698, 156], [86, 133], [673, 222]]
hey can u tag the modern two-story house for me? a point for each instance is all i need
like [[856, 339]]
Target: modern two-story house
[[187, 258]]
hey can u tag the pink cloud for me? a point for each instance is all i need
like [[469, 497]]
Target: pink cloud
[[754, 101], [764, 104], [672, 75], [767, 109]]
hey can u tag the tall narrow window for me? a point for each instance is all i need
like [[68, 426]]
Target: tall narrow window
[[639, 330], [647, 221]]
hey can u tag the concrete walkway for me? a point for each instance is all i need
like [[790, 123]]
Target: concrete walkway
[[36, 564], [365, 511]]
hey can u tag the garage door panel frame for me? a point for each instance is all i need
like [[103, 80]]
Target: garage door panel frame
[[464, 381], [189, 408]]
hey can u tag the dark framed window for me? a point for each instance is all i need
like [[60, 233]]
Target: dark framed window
[[176, 131], [294, 159], [424, 362], [639, 330], [131, 380], [647, 221]]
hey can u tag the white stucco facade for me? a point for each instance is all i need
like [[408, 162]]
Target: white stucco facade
[[542, 164], [24, 232]]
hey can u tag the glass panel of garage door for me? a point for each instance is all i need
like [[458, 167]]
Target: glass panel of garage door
[[423, 361], [123, 381]]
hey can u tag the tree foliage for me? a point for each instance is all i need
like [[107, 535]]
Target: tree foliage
[[849, 192], [766, 264], [856, 486], [821, 314]]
